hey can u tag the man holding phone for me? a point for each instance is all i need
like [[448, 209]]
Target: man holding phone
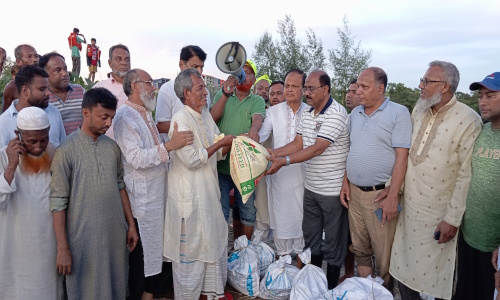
[[380, 136]]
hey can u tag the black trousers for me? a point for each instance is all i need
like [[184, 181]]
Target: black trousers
[[157, 284], [475, 274]]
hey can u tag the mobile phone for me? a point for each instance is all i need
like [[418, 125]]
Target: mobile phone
[[19, 137], [378, 212]]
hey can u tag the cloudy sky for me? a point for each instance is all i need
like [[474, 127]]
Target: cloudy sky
[[404, 35]]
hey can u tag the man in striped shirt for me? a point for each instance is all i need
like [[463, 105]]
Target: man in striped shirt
[[322, 143], [63, 95]]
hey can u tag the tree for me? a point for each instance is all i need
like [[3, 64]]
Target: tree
[[347, 61], [403, 95], [5, 77], [277, 57]]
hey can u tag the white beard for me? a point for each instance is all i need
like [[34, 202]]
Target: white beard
[[149, 101], [428, 103], [120, 74]]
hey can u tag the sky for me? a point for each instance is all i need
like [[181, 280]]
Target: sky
[[404, 36]]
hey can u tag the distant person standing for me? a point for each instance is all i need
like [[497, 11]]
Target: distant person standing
[[93, 58], [75, 44]]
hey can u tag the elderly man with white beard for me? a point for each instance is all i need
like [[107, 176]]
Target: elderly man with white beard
[[145, 160], [435, 188], [27, 240]]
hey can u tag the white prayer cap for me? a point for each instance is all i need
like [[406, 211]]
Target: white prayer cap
[[32, 118]]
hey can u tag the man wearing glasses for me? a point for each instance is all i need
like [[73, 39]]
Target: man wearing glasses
[[145, 159], [322, 143], [435, 187], [380, 136]]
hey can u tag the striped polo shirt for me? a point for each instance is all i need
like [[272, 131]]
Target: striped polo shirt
[[71, 109], [325, 172]]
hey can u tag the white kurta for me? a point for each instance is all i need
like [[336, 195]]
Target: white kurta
[[286, 187], [27, 240], [435, 190], [145, 165], [194, 194]]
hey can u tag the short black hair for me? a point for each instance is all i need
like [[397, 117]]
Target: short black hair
[[93, 39], [277, 82], [76, 30], [119, 46], [380, 75], [26, 74], [298, 71], [324, 79], [353, 81], [191, 50], [44, 59], [101, 96]]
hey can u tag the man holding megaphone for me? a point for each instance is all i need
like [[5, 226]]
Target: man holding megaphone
[[236, 110]]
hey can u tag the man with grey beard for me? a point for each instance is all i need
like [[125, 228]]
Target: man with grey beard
[[119, 62], [145, 160], [435, 187]]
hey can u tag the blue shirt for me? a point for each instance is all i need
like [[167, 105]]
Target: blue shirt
[[8, 124], [373, 139]]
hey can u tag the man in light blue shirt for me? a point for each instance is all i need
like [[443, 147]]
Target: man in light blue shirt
[[33, 87]]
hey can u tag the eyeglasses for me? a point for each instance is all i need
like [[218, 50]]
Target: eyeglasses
[[149, 82], [311, 89], [425, 81]]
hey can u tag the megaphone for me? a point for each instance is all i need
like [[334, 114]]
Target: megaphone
[[231, 58]]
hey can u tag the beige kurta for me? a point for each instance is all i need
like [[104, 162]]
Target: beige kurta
[[194, 194], [436, 184]]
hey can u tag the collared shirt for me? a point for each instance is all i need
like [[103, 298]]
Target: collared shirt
[[8, 124], [237, 118], [373, 141], [168, 104], [325, 172], [71, 108], [116, 88]]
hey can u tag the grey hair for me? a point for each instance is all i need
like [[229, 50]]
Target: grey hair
[[129, 78], [184, 82], [451, 73], [17, 51]]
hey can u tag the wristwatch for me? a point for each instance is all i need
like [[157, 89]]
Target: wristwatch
[[287, 160]]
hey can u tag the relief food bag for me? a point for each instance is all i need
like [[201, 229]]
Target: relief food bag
[[243, 268], [277, 283], [247, 163], [266, 253], [358, 288], [310, 283]]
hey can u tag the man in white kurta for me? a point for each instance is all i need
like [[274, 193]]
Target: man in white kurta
[[27, 240], [286, 187], [195, 229], [435, 187], [145, 160]]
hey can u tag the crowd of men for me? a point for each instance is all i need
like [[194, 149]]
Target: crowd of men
[[99, 200]]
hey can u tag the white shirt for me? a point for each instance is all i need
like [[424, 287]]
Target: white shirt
[[145, 164], [8, 124], [27, 240], [286, 187], [167, 104]]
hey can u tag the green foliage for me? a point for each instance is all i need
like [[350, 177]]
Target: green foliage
[[403, 95], [276, 57], [86, 83], [5, 77], [347, 61]]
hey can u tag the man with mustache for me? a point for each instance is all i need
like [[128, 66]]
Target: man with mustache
[[435, 186], [286, 188], [261, 88], [322, 144], [26, 270], [64, 96], [351, 98], [145, 160], [93, 222], [33, 88], [25, 56], [119, 62], [276, 92], [236, 110]]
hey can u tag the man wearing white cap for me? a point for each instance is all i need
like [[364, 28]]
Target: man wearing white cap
[[33, 86], [27, 240]]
